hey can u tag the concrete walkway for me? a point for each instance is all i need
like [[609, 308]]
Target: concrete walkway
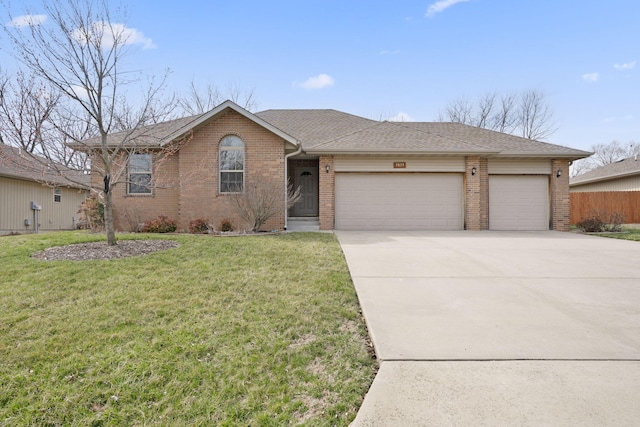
[[499, 328]]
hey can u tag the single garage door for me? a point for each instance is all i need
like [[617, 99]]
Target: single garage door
[[519, 202], [399, 201]]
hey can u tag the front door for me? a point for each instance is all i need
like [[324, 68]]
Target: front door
[[307, 179]]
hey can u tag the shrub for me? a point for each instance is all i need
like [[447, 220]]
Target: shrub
[[261, 199], [226, 225], [602, 220], [590, 225], [199, 226], [92, 214], [161, 224]]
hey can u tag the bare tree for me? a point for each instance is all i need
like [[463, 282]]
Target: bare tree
[[504, 119], [261, 199], [459, 111], [31, 119], [535, 118], [26, 106], [198, 100], [526, 114], [80, 51], [604, 154]]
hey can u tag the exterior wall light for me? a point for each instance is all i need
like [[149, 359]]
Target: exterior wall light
[[559, 173], [473, 170], [327, 168]]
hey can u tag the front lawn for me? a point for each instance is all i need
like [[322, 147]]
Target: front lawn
[[248, 331], [627, 233]]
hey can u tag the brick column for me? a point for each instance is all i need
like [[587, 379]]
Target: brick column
[[327, 187], [560, 207], [484, 194], [472, 211]]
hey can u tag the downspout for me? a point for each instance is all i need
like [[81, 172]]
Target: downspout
[[286, 182]]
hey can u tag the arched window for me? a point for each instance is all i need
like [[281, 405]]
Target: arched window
[[231, 164]]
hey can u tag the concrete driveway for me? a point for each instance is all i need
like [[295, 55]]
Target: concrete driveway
[[495, 328]]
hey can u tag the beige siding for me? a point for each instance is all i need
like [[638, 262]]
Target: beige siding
[[386, 164], [520, 166], [15, 206], [631, 183]]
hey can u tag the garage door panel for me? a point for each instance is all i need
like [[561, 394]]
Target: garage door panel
[[519, 202], [429, 201]]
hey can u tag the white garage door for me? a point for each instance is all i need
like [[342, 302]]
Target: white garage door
[[518, 202], [388, 201]]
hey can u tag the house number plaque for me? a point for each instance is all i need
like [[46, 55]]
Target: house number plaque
[[399, 165]]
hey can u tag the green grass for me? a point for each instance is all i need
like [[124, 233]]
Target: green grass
[[628, 233], [248, 331]]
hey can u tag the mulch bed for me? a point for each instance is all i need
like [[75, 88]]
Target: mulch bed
[[100, 250]]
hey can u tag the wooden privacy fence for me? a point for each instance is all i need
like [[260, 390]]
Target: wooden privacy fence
[[583, 205]]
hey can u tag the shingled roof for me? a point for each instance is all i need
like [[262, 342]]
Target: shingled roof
[[159, 134], [15, 163], [392, 137], [313, 127], [330, 131], [623, 168]]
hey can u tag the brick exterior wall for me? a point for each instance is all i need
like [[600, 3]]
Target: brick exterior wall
[[560, 205], [484, 193], [327, 188], [472, 193], [186, 182], [200, 195], [130, 211]]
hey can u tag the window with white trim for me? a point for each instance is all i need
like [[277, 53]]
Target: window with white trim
[[231, 164], [139, 174], [57, 194]]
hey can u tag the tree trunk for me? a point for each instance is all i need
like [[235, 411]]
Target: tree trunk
[[108, 220]]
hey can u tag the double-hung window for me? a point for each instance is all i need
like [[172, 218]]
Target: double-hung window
[[140, 174], [231, 164], [57, 194]]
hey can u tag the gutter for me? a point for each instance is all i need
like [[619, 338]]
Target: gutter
[[286, 182]]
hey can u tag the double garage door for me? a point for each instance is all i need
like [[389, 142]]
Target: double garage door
[[435, 201], [399, 201]]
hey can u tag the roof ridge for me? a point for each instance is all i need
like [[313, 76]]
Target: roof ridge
[[452, 138], [345, 135], [317, 110]]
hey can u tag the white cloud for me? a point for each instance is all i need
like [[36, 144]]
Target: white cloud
[[112, 32], [401, 117], [591, 77], [319, 82], [614, 119], [627, 66], [80, 91], [27, 20], [441, 5]]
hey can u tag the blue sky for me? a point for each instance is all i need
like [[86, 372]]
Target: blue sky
[[381, 58]]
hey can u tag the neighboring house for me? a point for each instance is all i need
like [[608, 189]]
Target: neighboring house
[[354, 173], [613, 188], [25, 182]]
